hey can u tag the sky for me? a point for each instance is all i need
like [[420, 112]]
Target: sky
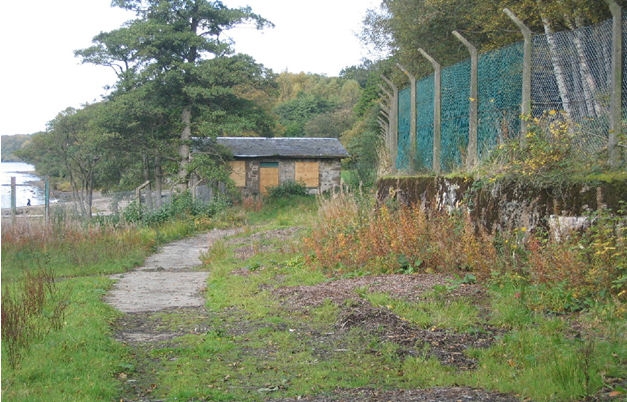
[[40, 77]]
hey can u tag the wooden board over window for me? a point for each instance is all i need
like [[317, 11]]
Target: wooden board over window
[[268, 176], [238, 173], [308, 173]]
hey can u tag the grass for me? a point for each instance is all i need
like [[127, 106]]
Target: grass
[[77, 362], [252, 347], [457, 315], [63, 347]]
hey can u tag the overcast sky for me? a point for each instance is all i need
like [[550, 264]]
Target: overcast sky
[[39, 75]]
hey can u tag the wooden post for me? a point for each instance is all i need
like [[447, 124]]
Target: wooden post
[[473, 121], [138, 193], [617, 81], [412, 117], [525, 107], [437, 114], [393, 120], [13, 198]]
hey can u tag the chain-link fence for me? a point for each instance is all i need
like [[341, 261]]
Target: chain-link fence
[[570, 72], [130, 204]]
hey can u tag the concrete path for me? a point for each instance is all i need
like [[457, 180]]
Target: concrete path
[[168, 279]]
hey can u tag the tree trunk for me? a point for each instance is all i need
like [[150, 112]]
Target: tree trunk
[[588, 83], [558, 69], [184, 149], [146, 166], [89, 191], [557, 65], [158, 178]]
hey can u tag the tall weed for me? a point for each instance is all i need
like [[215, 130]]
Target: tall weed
[[353, 236], [30, 309], [587, 266]]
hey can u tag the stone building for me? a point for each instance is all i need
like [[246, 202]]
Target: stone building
[[262, 163]]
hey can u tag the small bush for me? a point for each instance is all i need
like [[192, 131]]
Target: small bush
[[182, 206], [286, 190]]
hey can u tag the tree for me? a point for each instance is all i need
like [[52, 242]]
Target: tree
[[76, 148], [174, 49], [12, 143], [401, 27], [295, 114], [145, 125]]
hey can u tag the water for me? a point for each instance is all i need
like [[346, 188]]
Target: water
[[29, 185]]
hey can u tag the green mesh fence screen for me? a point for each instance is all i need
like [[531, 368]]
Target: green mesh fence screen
[[498, 110], [404, 112], [424, 124], [499, 95], [571, 72], [455, 105]]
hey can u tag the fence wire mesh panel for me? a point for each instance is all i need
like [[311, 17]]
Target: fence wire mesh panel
[[571, 72], [499, 97], [571, 80], [404, 112], [424, 123], [455, 118], [624, 70]]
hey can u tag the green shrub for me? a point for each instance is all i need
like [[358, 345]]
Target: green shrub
[[286, 190], [182, 206]]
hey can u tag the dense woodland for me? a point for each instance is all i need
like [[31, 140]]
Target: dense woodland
[[12, 143], [177, 80]]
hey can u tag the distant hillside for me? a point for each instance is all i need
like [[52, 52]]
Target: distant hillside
[[10, 144]]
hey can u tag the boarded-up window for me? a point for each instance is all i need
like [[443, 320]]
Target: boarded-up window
[[268, 176], [238, 173], [308, 173]]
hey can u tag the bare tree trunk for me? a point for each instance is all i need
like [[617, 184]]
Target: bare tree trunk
[[79, 189], [184, 149], [588, 83], [90, 191], [557, 65]]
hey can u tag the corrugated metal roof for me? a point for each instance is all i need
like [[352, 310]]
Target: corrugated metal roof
[[257, 147]]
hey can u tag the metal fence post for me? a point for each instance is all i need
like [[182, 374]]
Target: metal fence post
[[525, 107], [393, 121], [473, 122], [413, 117], [437, 110], [384, 116], [617, 80]]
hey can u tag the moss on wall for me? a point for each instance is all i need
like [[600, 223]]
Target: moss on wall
[[502, 204]]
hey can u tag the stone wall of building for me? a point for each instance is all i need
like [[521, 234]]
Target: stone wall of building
[[329, 174], [252, 178]]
